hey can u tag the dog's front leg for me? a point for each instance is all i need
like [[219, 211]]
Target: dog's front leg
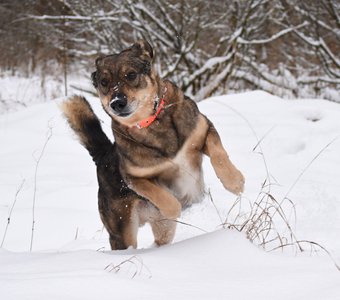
[[168, 205], [231, 178]]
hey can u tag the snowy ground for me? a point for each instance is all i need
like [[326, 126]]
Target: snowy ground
[[71, 257]]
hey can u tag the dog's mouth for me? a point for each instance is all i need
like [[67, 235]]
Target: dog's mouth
[[125, 112], [124, 115]]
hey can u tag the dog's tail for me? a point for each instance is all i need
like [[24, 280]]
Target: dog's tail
[[86, 125]]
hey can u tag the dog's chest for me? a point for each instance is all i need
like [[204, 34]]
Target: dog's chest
[[186, 182], [181, 174]]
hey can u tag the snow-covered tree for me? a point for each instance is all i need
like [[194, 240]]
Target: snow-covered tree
[[287, 47]]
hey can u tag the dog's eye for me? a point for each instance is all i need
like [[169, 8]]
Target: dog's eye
[[104, 82], [131, 76]]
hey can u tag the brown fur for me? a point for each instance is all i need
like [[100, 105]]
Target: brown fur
[[148, 174]]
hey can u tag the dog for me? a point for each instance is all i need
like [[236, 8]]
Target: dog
[[153, 170]]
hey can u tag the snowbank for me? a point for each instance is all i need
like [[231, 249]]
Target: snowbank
[[204, 260]]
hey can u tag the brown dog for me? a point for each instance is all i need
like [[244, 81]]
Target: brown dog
[[153, 170]]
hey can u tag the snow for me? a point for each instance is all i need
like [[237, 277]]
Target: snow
[[71, 258], [18, 91], [213, 266]]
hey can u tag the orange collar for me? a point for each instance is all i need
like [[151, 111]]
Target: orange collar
[[148, 121]]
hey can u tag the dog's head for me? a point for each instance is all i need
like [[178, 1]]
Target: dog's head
[[126, 83]]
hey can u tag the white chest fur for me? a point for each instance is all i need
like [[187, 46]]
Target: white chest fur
[[181, 175], [188, 185]]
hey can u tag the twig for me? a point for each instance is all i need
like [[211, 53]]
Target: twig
[[218, 213], [137, 262], [37, 160], [258, 144], [307, 167], [186, 224], [11, 210], [312, 244]]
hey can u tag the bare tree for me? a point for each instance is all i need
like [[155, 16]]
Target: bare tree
[[285, 47], [319, 40]]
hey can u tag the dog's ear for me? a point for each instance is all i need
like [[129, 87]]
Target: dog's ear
[[99, 61], [143, 49], [94, 75], [94, 79]]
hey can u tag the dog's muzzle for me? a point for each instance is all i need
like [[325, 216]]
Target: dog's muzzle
[[119, 104]]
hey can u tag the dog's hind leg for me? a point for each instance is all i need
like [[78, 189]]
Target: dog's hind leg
[[163, 230], [231, 178], [123, 234]]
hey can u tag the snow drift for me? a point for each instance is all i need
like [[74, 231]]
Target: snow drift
[[71, 257]]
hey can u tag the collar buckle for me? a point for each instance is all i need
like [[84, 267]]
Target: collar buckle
[[148, 121]]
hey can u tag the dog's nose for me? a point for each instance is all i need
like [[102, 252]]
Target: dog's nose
[[118, 102]]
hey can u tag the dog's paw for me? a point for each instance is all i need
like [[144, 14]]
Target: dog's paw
[[236, 182], [172, 211], [232, 180]]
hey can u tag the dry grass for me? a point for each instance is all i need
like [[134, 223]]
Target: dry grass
[[133, 266], [267, 225], [267, 220]]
